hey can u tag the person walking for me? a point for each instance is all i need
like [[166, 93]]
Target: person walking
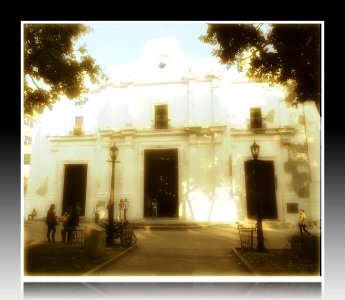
[[154, 208], [302, 223], [51, 221]]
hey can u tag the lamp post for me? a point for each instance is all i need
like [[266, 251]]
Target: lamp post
[[255, 149], [114, 151]]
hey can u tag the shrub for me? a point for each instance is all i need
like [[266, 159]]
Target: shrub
[[307, 246]]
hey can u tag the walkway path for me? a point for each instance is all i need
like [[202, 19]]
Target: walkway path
[[197, 252]]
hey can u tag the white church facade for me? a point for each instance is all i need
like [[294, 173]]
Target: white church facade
[[183, 129]]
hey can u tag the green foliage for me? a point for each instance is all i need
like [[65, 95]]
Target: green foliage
[[283, 53], [53, 67]]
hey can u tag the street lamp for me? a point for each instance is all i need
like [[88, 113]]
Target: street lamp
[[255, 149], [114, 151]]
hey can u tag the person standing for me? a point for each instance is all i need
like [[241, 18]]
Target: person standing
[[302, 223], [77, 212], [120, 209], [51, 221], [154, 208], [125, 208], [69, 225], [72, 224], [65, 224]]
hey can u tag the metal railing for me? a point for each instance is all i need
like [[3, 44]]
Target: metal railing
[[247, 237], [78, 236]]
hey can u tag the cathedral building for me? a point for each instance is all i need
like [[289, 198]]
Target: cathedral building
[[183, 129]]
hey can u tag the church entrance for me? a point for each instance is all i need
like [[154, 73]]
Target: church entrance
[[263, 186], [74, 189], [161, 182]]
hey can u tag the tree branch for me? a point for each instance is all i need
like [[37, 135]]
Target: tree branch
[[258, 26], [249, 56], [50, 54], [33, 80]]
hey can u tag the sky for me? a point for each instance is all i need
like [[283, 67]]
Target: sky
[[118, 43]]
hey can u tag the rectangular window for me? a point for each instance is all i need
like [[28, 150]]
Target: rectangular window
[[27, 140], [255, 118], [78, 126], [161, 116], [28, 121], [79, 121], [292, 208], [27, 157]]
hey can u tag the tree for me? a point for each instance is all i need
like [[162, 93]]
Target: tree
[[52, 65], [287, 54]]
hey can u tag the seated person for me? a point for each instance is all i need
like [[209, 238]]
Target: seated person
[[33, 214]]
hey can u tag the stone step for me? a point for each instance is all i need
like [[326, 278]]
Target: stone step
[[166, 224], [275, 224]]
